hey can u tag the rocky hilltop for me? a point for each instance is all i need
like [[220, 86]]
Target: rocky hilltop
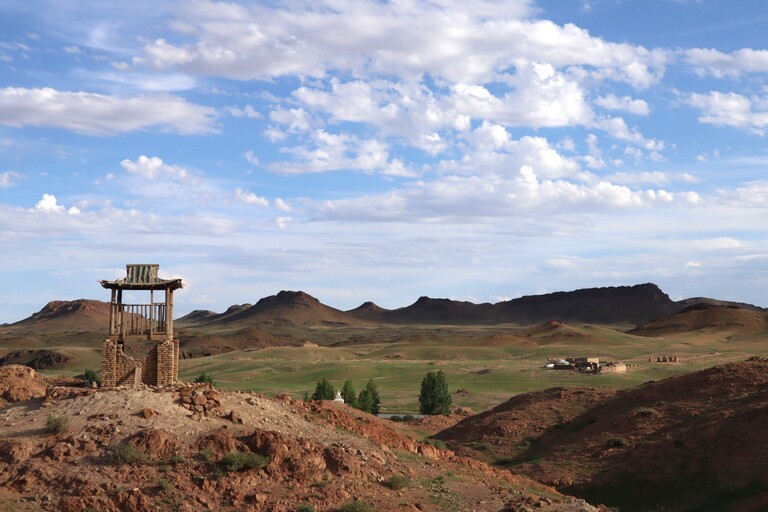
[[194, 448]]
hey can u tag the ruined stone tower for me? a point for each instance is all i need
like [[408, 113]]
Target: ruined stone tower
[[151, 322]]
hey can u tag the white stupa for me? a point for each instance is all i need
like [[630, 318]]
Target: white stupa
[[338, 397]]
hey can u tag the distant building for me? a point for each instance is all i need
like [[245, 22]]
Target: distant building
[[614, 367], [586, 365]]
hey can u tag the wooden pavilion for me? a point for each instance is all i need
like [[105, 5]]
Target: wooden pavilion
[[150, 322]]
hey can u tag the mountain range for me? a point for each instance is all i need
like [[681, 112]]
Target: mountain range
[[623, 306]]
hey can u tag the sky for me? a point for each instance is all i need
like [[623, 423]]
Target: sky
[[383, 150]]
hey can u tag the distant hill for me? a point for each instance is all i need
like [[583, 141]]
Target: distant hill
[[369, 311], [292, 307], [200, 316], [626, 305], [609, 305], [427, 310], [706, 316], [60, 315]]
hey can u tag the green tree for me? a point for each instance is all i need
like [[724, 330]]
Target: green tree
[[434, 397], [368, 400], [348, 394], [323, 390]]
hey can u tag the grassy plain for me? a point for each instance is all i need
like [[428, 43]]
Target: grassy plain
[[492, 363]]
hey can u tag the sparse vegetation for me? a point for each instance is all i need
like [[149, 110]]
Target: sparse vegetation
[[356, 506], [437, 443], [206, 455], [241, 461], [127, 453], [305, 508], [434, 397], [647, 412], [618, 442], [397, 482], [57, 424], [164, 485], [205, 378]]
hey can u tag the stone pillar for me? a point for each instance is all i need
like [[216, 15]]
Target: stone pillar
[[109, 364], [167, 363]]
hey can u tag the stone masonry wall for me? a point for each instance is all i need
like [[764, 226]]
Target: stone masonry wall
[[159, 368]]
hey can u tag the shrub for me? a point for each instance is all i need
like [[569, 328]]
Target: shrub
[[127, 453], [90, 376], [437, 443], [647, 411], [57, 424], [617, 442], [305, 508], [206, 455], [368, 400], [164, 485], [434, 397], [323, 390], [397, 482], [205, 378], [242, 461], [356, 506]]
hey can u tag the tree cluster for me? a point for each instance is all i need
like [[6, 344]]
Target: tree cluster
[[368, 400], [433, 399]]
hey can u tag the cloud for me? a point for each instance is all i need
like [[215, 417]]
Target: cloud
[[625, 103], [520, 194], [461, 42], [250, 198], [153, 168], [9, 178], [335, 152], [751, 194], [49, 204], [248, 111], [99, 114], [280, 204], [718, 64], [731, 109], [252, 158], [714, 244]]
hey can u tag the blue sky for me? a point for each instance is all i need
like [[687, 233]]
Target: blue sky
[[363, 150]]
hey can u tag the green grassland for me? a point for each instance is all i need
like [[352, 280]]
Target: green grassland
[[491, 363]]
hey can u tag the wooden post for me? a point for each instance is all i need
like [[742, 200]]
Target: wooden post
[[112, 315], [120, 326], [151, 314], [169, 312]]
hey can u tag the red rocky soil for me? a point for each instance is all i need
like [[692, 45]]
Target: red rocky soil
[[163, 449], [694, 442]]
